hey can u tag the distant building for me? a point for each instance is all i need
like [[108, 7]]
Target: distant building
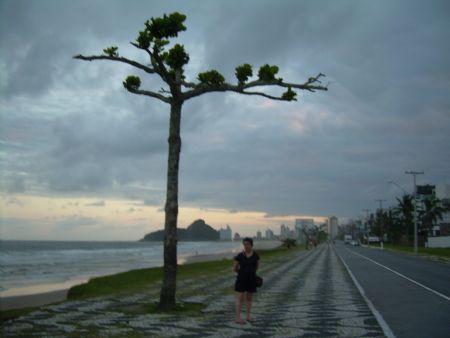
[[269, 234], [301, 225], [237, 237], [333, 227], [258, 235], [225, 234], [443, 226], [284, 232]]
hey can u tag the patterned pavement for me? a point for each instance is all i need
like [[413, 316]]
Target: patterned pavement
[[305, 294]]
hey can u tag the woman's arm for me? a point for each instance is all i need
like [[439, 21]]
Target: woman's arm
[[235, 265]]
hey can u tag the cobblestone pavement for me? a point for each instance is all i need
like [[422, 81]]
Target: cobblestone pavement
[[308, 294]]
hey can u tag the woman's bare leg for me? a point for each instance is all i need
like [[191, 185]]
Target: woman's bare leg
[[239, 300], [248, 305]]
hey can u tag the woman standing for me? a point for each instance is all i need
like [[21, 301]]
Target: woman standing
[[245, 264]]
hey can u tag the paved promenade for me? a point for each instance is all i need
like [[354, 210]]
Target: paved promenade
[[309, 294]]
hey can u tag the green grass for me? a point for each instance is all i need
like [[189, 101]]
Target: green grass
[[130, 281], [139, 280], [438, 252]]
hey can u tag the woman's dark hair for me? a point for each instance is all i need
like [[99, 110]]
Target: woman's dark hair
[[248, 239]]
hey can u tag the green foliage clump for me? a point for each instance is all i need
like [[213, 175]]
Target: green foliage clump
[[243, 72], [289, 95], [144, 39], [212, 77], [159, 30], [176, 58], [267, 72], [167, 26], [289, 242], [132, 82], [111, 51]]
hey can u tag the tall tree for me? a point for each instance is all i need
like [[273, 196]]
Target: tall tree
[[393, 226], [405, 214], [431, 212], [169, 66]]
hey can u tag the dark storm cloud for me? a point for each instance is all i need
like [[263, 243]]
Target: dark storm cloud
[[102, 150], [69, 126]]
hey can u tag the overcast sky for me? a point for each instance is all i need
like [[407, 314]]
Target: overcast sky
[[81, 158]]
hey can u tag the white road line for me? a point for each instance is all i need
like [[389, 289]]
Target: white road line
[[384, 326], [403, 276]]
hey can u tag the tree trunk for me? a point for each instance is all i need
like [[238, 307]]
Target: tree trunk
[[168, 290]]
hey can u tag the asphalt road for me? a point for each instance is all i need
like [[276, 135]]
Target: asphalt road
[[412, 294]]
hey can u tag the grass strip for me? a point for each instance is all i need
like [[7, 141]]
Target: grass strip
[[138, 280], [437, 252]]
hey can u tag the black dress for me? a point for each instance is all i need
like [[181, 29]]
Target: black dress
[[246, 277]]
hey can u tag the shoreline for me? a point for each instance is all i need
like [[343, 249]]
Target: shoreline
[[57, 295], [34, 300]]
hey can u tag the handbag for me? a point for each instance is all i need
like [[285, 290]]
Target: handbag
[[259, 281]]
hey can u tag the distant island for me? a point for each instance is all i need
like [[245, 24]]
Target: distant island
[[197, 231]]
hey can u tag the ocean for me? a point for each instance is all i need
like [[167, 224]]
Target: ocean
[[28, 267]]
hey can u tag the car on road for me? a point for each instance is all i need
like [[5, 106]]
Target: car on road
[[354, 243]]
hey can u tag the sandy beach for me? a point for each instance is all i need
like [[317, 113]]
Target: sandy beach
[[39, 299], [54, 296]]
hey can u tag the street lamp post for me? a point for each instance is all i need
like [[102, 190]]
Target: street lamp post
[[415, 173], [399, 186], [381, 220], [367, 226]]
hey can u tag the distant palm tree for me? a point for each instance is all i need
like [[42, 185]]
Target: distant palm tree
[[404, 212], [432, 211]]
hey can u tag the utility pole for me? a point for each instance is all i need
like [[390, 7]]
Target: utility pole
[[381, 220], [367, 225], [415, 173], [381, 203]]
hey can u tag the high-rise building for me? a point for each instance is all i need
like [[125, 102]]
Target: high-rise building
[[225, 234], [258, 235], [269, 234], [333, 227], [301, 225], [284, 231]]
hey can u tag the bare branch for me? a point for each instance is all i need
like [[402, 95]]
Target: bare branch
[[146, 49], [188, 84], [116, 58], [202, 89], [151, 94], [308, 85], [199, 89], [164, 91], [266, 95]]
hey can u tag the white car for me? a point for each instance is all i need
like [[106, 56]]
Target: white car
[[354, 243]]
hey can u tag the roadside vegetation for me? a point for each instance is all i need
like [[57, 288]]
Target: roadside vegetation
[[436, 252]]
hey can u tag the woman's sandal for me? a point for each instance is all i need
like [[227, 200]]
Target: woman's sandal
[[251, 321], [242, 322]]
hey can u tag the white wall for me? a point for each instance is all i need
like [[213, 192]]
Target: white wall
[[439, 242]]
